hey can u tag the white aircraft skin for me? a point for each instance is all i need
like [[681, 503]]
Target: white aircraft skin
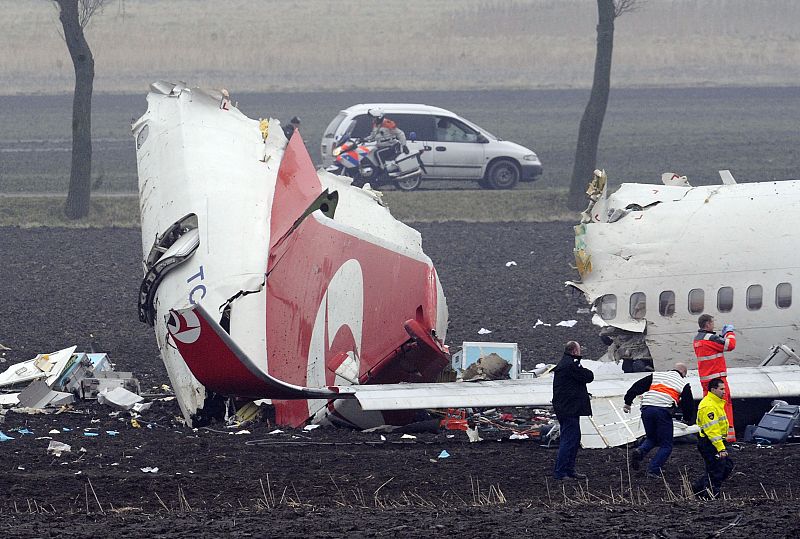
[[678, 238], [203, 163]]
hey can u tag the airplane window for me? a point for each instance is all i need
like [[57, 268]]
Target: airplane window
[[754, 297], [666, 303], [638, 306], [783, 295], [607, 306], [725, 299], [696, 301]]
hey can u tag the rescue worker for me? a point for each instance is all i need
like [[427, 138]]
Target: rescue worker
[[713, 423], [709, 348], [291, 127], [571, 400], [663, 391]]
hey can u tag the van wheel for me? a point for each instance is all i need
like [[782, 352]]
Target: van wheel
[[409, 184], [503, 174]]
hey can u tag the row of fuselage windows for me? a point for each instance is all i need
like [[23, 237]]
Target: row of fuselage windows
[[696, 301]]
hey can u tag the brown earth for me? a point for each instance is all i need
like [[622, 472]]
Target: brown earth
[[63, 287]]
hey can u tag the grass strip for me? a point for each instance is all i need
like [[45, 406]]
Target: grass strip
[[477, 206]]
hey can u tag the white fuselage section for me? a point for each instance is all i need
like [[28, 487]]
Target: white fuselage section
[[677, 252]]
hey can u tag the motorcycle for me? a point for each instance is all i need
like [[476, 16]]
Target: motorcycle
[[365, 162]]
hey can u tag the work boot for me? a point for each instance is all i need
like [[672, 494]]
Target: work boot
[[635, 459], [577, 475]]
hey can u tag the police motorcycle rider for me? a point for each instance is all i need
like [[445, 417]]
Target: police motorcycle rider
[[389, 139]]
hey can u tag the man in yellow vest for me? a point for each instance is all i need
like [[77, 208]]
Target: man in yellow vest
[[713, 425]]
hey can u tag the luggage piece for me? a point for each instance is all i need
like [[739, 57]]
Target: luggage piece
[[777, 424]]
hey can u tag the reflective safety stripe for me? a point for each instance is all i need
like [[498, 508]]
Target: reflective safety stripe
[[666, 389], [716, 438], [715, 375], [717, 420], [715, 356]]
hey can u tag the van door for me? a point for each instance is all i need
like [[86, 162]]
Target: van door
[[456, 150], [418, 129]]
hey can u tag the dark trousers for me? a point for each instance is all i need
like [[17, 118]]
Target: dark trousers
[[717, 469], [568, 444], [657, 422]]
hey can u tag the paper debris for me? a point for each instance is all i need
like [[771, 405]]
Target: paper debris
[[510, 263], [540, 323], [444, 454], [483, 331], [4, 438], [57, 448], [310, 427], [276, 431], [516, 436], [408, 437], [148, 469], [142, 406], [473, 435], [243, 431], [567, 323]]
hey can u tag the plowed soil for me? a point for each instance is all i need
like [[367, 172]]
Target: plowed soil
[[64, 287]]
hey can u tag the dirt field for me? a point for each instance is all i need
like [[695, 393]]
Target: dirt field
[[63, 287]]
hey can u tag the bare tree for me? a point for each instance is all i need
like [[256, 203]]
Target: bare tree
[[74, 16], [595, 112]]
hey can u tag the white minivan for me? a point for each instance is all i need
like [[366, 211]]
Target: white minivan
[[456, 149]]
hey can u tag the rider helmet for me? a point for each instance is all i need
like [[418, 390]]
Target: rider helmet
[[376, 114]]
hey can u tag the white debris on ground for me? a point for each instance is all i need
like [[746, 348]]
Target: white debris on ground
[[51, 382]]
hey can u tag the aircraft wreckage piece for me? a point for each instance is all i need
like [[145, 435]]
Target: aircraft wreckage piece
[[652, 258], [309, 277]]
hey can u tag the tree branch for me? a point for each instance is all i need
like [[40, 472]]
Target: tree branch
[[626, 6]]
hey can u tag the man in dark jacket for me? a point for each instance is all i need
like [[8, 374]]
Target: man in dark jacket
[[570, 401]]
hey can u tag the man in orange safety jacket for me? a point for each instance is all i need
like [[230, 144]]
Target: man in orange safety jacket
[[709, 348]]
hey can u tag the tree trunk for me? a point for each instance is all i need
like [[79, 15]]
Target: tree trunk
[[592, 120], [77, 205]]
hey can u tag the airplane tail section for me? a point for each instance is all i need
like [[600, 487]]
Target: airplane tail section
[[221, 366]]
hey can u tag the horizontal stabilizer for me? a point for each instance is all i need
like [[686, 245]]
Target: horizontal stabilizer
[[221, 366]]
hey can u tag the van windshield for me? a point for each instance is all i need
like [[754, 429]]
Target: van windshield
[[330, 131]]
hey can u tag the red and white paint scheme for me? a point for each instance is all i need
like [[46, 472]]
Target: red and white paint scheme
[[267, 279]]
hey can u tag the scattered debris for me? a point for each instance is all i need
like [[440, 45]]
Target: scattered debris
[[567, 323], [444, 454], [119, 397], [54, 381], [483, 331], [510, 263], [57, 448], [148, 469]]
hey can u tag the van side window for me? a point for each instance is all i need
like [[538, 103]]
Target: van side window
[[666, 303], [725, 299], [755, 297], [783, 295], [638, 305], [607, 306], [452, 130], [360, 127], [697, 300], [422, 125]]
